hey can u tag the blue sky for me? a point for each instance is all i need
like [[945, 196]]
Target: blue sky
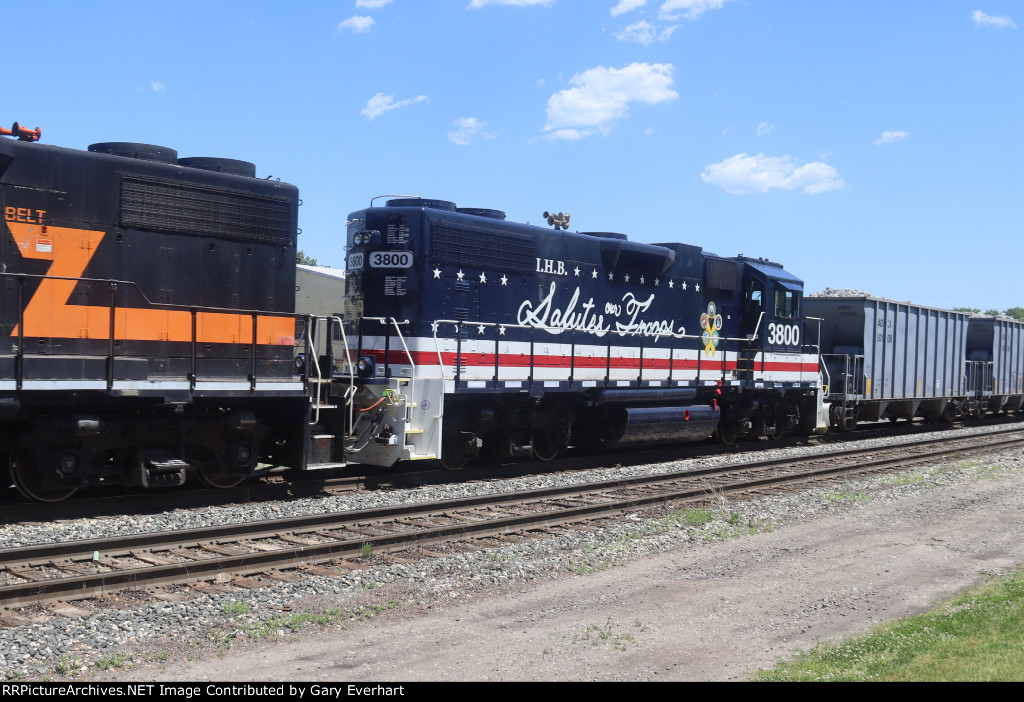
[[872, 145]]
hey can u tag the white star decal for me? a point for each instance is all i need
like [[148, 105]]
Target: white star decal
[[684, 285], [593, 273], [657, 283], [671, 284], [460, 275], [501, 330], [611, 276], [480, 329], [641, 280], [697, 287], [627, 277], [577, 270], [483, 277], [437, 273], [433, 327], [504, 280]]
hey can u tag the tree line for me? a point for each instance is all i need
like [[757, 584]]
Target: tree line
[[1015, 312]]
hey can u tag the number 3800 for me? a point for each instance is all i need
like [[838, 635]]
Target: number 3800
[[783, 334]]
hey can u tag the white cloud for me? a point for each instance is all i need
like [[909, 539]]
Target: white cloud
[[690, 9], [889, 137], [765, 128], [516, 3], [357, 23], [602, 95], [157, 86], [983, 20], [372, 4], [743, 174], [467, 129], [625, 6], [381, 103], [643, 32]]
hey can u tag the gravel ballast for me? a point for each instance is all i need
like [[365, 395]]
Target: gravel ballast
[[135, 633]]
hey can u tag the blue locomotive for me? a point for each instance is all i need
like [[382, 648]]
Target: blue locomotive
[[469, 335]]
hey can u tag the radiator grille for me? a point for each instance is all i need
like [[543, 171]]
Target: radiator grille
[[179, 208], [721, 275], [486, 249]]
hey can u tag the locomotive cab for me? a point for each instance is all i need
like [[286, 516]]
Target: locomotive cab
[[772, 305]]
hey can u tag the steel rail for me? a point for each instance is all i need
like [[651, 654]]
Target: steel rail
[[474, 525]]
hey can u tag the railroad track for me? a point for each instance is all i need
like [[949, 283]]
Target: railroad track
[[291, 548], [14, 510]]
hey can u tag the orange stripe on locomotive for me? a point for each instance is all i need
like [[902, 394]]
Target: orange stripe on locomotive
[[48, 313]]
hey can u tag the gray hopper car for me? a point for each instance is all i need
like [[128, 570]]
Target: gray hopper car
[[995, 364], [888, 359]]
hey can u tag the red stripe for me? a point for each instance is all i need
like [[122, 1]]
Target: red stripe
[[522, 360]]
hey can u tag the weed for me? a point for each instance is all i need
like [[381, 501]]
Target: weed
[[234, 608], [697, 517], [67, 666], [367, 549], [905, 479], [604, 634], [113, 660], [847, 495]]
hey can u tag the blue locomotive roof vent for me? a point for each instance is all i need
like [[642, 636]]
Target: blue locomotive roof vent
[[481, 212], [220, 165], [145, 152], [422, 202]]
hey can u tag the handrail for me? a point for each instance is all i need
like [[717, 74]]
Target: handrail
[[115, 286], [757, 327], [311, 352], [412, 362], [145, 298], [351, 369]]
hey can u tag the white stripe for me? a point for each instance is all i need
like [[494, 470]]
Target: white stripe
[[63, 385], [206, 387]]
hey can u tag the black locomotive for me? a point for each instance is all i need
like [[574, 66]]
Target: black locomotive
[[146, 318]]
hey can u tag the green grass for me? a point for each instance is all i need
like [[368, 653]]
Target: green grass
[[976, 637]]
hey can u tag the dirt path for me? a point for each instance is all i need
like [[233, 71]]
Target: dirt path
[[711, 612]]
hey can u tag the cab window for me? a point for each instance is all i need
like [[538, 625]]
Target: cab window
[[785, 304]]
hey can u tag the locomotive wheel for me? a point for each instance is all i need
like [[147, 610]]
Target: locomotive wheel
[[449, 464], [726, 433], [208, 475], [774, 432], [29, 479], [543, 449]]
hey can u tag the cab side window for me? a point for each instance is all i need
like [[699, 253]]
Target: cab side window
[[785, 304]]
